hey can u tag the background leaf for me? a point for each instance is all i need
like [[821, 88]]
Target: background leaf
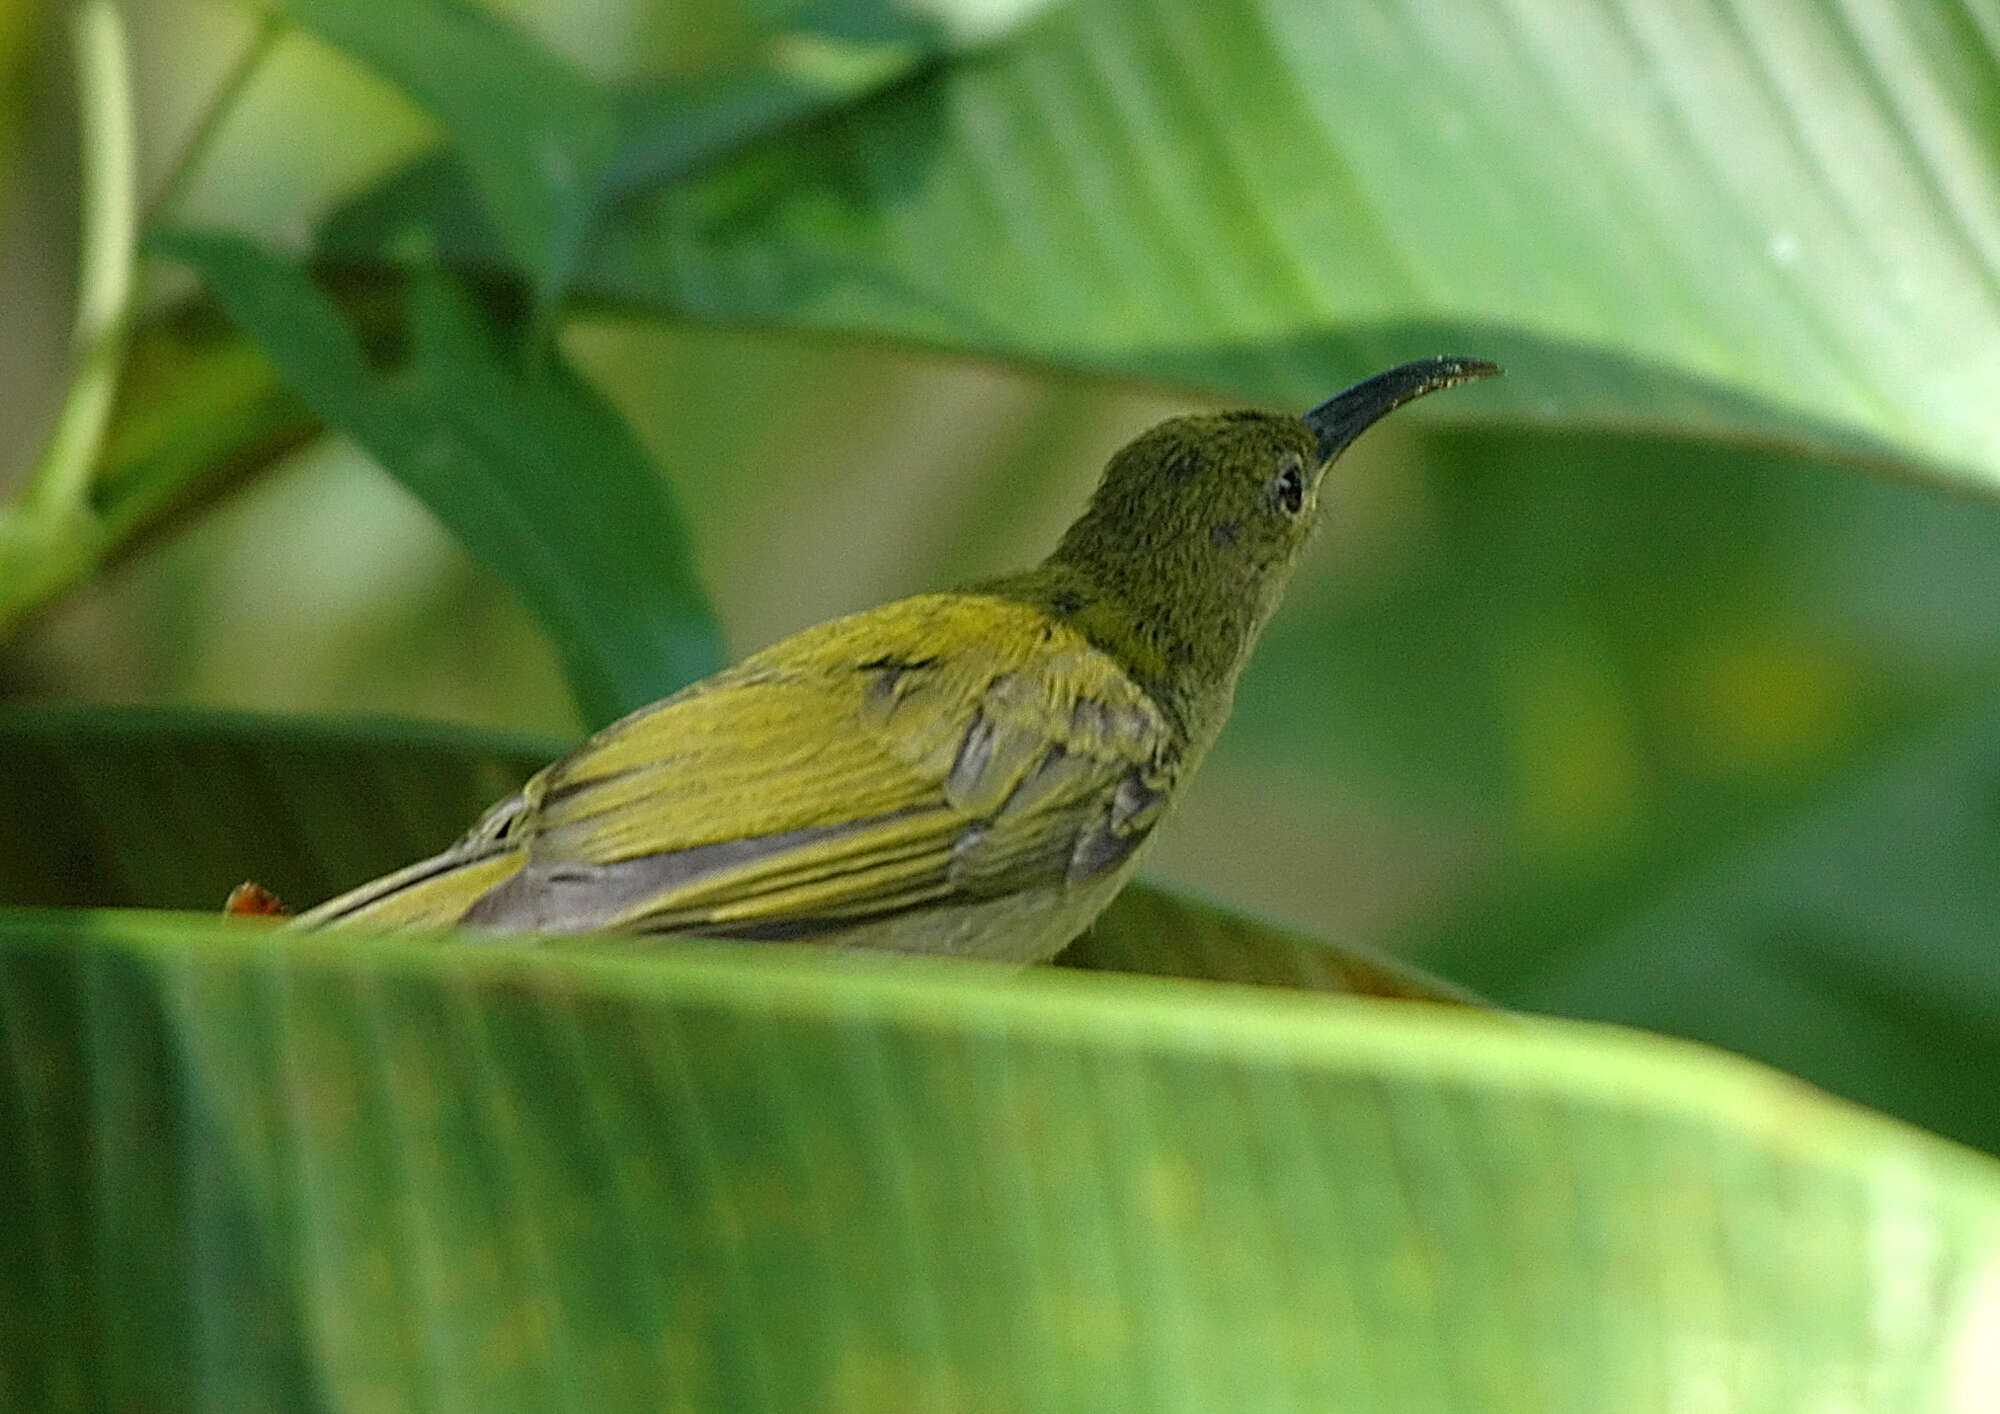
[[536, 137], [1841, 939], [1153, 930], [1779, 227], [133, 808], [539, 152], [520, 458]]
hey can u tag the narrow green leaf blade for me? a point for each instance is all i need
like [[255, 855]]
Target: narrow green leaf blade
[[537, 137], [817, 60], [523, 461]]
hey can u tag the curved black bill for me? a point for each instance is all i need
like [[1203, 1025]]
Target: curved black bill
[[1344, 416]]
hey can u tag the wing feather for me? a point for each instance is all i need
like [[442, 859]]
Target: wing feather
[[948, 748]]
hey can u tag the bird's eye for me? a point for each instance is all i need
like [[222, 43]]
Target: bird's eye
[[1290, 487]]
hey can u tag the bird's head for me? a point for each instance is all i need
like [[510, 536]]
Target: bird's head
[[1198, 521]]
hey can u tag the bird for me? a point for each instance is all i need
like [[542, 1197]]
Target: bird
[[970, 773]]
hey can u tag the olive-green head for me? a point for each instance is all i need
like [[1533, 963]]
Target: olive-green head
[[1191, 536], [1221, 499]]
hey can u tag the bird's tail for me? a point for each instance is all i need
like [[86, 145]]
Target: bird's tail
[[432, 893]]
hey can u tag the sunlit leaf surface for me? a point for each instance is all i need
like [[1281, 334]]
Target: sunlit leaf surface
[[1780, 224], [306, 1173]]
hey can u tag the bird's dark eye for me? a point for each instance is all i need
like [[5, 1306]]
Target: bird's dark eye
[[1290, 487]]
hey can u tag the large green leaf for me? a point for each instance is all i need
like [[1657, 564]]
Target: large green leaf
[[516, 454], [1781, 224], [245, 1173]]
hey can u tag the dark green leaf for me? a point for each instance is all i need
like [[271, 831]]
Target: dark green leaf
[[537, 137], [1154, 930], [675, 129], [150, 808], [1856, 942], [520, 458], [538, 153]]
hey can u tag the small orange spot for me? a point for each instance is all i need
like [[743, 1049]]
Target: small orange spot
[[252, 900]]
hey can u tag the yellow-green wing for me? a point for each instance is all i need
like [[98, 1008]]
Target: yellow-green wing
[[943, 749]]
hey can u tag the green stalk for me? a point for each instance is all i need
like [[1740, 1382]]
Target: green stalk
[[58, 488], [269, 27], [68, 514]]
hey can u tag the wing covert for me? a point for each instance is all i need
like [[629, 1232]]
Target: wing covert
[[946, 748]]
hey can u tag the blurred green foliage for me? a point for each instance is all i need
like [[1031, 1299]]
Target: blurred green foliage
[[1655, 684]]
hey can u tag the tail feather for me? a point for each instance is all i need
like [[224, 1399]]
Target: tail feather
[[432, 893]]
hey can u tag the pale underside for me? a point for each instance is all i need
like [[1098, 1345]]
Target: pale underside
[[951, 773]]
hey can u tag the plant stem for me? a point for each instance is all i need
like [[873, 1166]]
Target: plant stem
[[269, 26], [57, 488], [54, 534]]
